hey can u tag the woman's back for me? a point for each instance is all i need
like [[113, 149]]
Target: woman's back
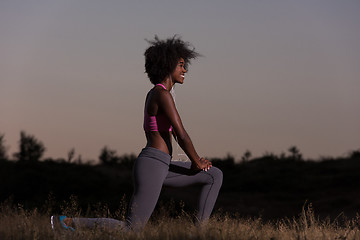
[[156, 124]]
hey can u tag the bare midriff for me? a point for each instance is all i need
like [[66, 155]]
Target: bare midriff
[[160, 140]]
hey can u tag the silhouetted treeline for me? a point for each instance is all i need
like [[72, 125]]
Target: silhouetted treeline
[[274, 186], [271, 186]]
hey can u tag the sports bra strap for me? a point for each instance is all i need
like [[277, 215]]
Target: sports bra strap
[[159, 84]]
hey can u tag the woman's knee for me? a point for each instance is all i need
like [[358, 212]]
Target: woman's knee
[[217, 175]]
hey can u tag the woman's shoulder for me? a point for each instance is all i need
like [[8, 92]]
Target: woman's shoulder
[[159, 92], [158, 95]]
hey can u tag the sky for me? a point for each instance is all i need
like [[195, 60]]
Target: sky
[[274, 74]]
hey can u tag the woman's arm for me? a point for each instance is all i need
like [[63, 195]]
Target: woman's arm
[[167, 105]]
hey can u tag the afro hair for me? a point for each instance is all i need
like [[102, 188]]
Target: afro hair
[[162, 57]]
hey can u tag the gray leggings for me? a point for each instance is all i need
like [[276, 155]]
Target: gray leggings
[[153, 169]]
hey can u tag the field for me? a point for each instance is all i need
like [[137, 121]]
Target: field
[[271, 197], [18, 223]]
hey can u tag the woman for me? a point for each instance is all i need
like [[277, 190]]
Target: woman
[[166, 63]]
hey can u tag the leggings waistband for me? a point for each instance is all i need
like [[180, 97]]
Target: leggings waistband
[[154, 153]]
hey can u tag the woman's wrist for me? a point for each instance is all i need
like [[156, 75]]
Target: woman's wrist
[[197, 160]]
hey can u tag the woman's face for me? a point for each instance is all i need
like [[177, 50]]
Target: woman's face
[[178, 75]]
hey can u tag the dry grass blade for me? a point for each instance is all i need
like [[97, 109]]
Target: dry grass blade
[[18, 223]]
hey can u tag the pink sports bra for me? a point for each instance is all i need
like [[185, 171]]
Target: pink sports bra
[[156, 123]]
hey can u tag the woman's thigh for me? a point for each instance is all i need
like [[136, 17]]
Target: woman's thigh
[[149, 175], [181, 175]]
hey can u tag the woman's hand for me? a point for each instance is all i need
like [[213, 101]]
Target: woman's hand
[[201, 164]]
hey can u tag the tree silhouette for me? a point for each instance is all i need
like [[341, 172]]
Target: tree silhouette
[[295, 153], [246, 157], [71, 154], [30, 149], [355, 154], [108, 156], [3, 149]]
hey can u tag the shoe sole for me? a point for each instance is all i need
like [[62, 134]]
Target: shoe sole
[[52, 222]]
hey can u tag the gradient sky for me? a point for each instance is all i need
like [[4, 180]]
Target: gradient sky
[[274, 74]]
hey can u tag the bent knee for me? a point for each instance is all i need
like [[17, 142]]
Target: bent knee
[[217, 175]]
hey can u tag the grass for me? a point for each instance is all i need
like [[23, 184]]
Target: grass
[[18, 223]]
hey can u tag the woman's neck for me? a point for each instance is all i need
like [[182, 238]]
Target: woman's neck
[[168, 83]]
